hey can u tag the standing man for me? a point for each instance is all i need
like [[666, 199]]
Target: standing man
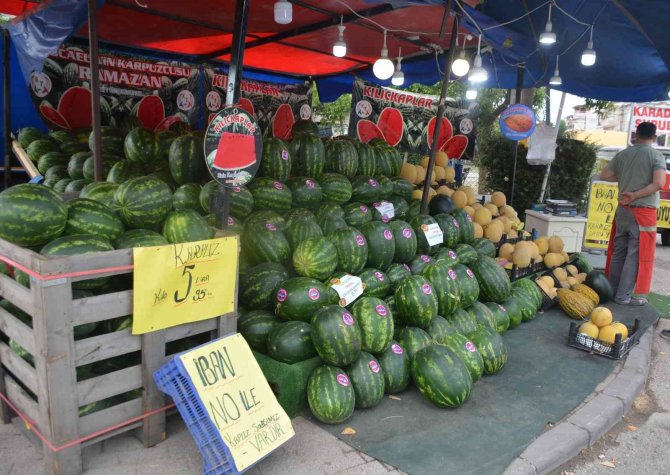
[[640, 171]]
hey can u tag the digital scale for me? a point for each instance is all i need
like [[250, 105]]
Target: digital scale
[[561, 208]]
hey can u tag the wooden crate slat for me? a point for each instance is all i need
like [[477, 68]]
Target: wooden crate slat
[[17, 330], [18, 254], [85, 262], [102, 307], [22, 400], [105, 346], [16, 293], [101, 387], [19, 367], [24, 160], [182, 331], [110, 417], [109, 435]]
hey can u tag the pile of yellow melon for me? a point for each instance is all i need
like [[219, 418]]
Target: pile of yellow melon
[[416, 174], [522, 254], [552, 249], [601, 326], [568, 277]]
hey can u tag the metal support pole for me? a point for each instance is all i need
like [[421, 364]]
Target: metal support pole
[[517, 97], [7, 116], [545, 180], [440, 108], [95, 88]]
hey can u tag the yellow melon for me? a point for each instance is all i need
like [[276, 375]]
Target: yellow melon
[[552, 259], [601, 316], [542, 244], [493, 232], [492, 208], [499, 199], [479, 231], [417, 194], [548, 280], [439, 173], [424, 161], [449, 174], [534, 249], [470, 210], [589, 329], [508, 211], [555, 244], [470, 193], [507, 224], [408, 172], [476, 206], [460, 199], [441, 159], [420, 174], [482, 216], [431, 194], [543, 285], [572, 281], [572, 270], [566, 257], [607, 334], [506, 251], [560, 274], [444, 190], [581, 277], [620, 328], [521, 257], [512, 234]]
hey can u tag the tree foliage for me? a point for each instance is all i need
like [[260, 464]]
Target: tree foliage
[[601, 108]]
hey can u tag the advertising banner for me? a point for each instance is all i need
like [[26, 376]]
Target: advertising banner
[[656, 115], [407, 121]]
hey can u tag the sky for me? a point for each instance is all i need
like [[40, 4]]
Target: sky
[[570, 102]]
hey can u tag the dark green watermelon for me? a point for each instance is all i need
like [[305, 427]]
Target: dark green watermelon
[[291, 342], [352, 249], [259, 285], [375, 282], [395, 363], [416, 301], [405, 241], [336, 335], [441, 376], [300, 298], [367, 378], [255, 327], [330, 395], [376, 323]]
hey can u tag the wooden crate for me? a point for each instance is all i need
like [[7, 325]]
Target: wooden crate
[[44, 392]]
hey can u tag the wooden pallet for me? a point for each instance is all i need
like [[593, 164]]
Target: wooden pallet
[[44, 392]]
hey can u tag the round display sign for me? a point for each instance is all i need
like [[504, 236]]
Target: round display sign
[[517, 122], [233, 147]]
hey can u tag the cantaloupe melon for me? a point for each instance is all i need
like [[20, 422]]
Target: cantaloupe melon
[[408, 172], [420, 174], [445, 190], [555, 244], [460, 199], [470, 210], [482, 216], [560, 274], [572, 270], [572, 281], [441, 159], [417, 194], [506, 251], [439, 173], [551, 259], [522, 257], [513, 234], [493, 232], [492, 208], [476, 205], [424, 161], [565, 256], [479, 231], [506, 223], [542, 244], [499, 199], [449, 174], [470, 193]]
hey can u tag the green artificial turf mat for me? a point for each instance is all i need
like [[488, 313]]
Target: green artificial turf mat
[[660, 303]]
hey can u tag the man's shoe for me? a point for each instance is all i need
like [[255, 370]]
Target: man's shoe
[[665, 334]]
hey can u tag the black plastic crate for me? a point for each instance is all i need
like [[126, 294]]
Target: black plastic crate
[[547, 301], [614, 351], [516, 273]]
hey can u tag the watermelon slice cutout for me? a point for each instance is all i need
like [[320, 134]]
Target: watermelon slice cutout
[[446, 132], [282, 123], [392, 125], [455, 146], [75, 107], [168, 122], [247, 105], [54, 117], [150, 111], [235, 151], [368, 130]]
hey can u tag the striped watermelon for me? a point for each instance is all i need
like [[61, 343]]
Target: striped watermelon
[[76, 245], [400, 207], [466, 254], [484, 247], [241, 199], [143, 202], [186, 226], [266, 216], [356, 214], [493, 349], [28, 135], [291, 342], [165, 139], [187, 160], [333, 225], [186, 197], [315, 257], [464, 322], [375, 282], [397, 273], [419, 223], [265, 243], [466, 352], [466, 228], [75, 166], [142, 146], [300, 298], [376, 322], [367, 159], [450, 229], [494, 283], [402, 188], [395, 365], [381, 244], [330, 395], [416, 301], [448, 256], [367, 378], [259, 285], [255, 327], [31, 215], [124, 170], [86, 216], [306, 192], [140, 238], [51, 159], [304, 126], [335, 188], [342, 157], [385, 187], [352, 249], [60, 185], [501, 316], [271, 194], [276, 160], [308, 155], [439, 327], [386, 157], [365, 189], [419, 263], [441, 376], [299, 230], [514, 313], [532, 288], [526, 303], [483, 315], [328, 211], [112, 140], [413, 339], [336, 335], [39, 147], [467, 284], [413, 210], [446, 287]]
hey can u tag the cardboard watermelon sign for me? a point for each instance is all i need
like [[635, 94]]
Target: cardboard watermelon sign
[[407, 121], [233, 146]]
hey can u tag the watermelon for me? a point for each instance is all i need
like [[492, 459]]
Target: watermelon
[[367, 378], [440, 204], [414, 209], [111, 138], [336, 335], [308, 155], [484, 247], [400, 207], [304, 126], [397, 273], [242, 202], [526, 302], [298, 231], [501, 316], [395, 363], [28, 135], [598, 282], [494, 283], [483, 315], [75, 186], [55, 174], [416, 301], [259, 285], [441, 376], [330, 395], [75, 166], [61, 136], [292, 215], [271, 194], [466, 254], [266, 216], [143, 202], [405, 241], [276, 159], [342, 158], [365, 189], [419, 223], [385, 161], [76, 245], [375, 283], [70, 147], [123, 170], [419, 263], [468, 285], [142, 146], [367, 159], [438, 328], [533, 290], [291, 342], [187, 159], [165, 139], [255, 327], [315, 257], [376, 323], [86, 216], [466, 229], [306, 192], [402, 188], [513, 312], [265, 243], [446, 287], [51, 159], [493, 349], [381, 244], [464, 322], [333, 225], [356, 214], [335, 188], [352, 249], [385, 187], [328, 211], [140, 238], [186, 226], [31, 215], [61, 185], [300, 298], [100, 191], [39, 147], [186, 197], [448, 256], [466, 352]]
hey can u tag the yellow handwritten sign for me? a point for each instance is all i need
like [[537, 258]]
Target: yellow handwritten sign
[[183, 283], [238, 399], [663, 214], [603, 202]]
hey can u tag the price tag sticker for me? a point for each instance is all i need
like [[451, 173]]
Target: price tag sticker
[[433, 234], [386, 210], [183, 283], [348, 287]]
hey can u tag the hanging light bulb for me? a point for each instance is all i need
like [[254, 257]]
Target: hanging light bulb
[[383, 67], [340, 47], [548, 37], [471, 93], [460, 66], [589, 54], [556, 78], [478, 73], [398, 78], [283, 12]]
